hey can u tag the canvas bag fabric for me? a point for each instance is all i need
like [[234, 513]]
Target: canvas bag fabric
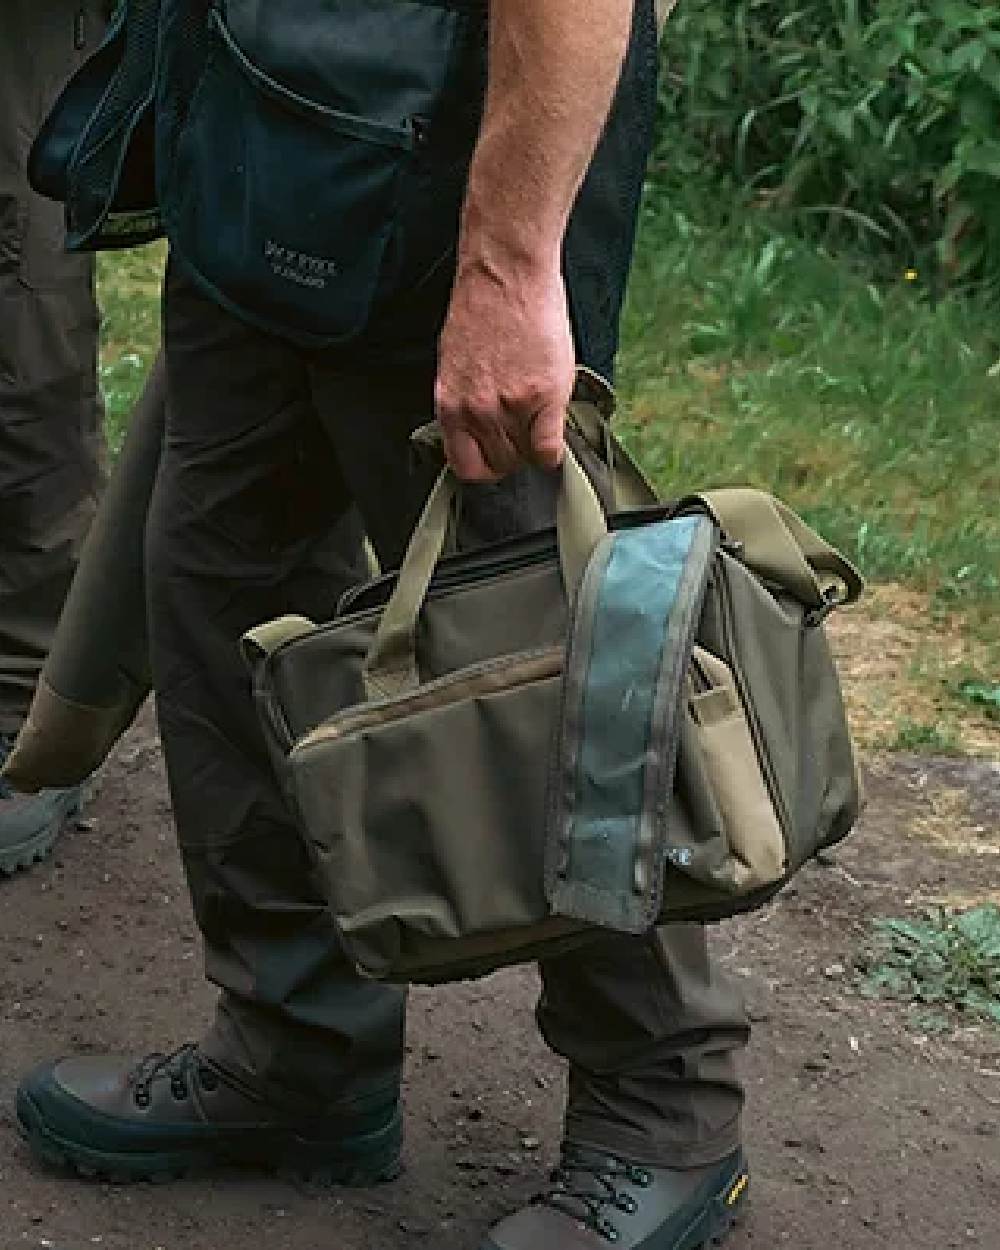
[[421, 736]]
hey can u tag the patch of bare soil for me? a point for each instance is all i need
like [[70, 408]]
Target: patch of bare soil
[[863, 1133], [899, 666]]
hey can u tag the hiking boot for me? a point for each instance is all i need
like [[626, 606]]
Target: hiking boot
[[169, 1115], [30, 823], [598, 1200]]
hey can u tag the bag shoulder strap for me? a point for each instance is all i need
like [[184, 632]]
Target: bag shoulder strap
[[619, 727]]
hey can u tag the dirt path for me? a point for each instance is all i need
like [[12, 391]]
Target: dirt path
[[863, 1133]]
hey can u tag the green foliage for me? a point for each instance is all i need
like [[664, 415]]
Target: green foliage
[[983, 695], [914, 735], [949, 959], [880, 118], [129, 290]]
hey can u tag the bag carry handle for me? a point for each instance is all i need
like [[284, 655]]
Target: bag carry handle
[[590, 413], [778, 545], [390, 667]]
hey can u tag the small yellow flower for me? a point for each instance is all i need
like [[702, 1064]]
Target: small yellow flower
[[911, 275]]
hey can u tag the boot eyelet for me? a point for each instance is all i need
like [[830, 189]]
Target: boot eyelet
[[626, 1203], [608, 1230], [142, 1099], [178, 1088], [208, 1080]]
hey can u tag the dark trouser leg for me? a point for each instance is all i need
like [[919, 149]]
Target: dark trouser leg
[[242, 529], [650, 1027], [50, 413], [251, 481]]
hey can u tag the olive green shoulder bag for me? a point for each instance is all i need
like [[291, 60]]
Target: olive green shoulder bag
[[615, 724]]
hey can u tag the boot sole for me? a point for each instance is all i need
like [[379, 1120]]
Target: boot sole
[[34, 849], [720, 1215], [374, 1158]]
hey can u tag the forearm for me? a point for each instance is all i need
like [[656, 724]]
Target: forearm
[[553, 69], [506, 355]]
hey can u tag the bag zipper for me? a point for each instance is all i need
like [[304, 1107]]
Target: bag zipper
[[469, 567], [471, 572], [742, 686]]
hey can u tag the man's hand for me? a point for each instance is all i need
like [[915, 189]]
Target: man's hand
[[506, 357], [506, 370]]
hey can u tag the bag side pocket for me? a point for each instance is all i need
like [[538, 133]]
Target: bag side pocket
[[735, 840]]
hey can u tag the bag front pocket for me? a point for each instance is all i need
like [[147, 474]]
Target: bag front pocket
[[283, 206], [427, 811]]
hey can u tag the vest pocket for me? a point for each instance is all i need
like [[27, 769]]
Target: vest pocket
[[282, 206]]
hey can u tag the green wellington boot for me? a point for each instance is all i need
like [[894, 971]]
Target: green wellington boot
[[598, 1200], [30, 823], [169, 1115]]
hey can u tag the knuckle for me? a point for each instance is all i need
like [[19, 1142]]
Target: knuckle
[[481, 406], [530, 395]]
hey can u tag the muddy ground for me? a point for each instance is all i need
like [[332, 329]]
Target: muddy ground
[[863, 1131]]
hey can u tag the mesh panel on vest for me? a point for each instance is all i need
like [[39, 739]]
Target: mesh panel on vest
[[96, 171], [183, 49]]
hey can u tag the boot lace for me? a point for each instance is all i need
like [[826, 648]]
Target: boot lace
[[586, 1185], [180, 1067]]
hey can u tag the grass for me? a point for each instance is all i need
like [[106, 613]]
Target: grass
[[928, 736], [752, 356]]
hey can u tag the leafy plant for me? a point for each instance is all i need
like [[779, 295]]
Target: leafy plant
[[950, 959], [983, 695], [914, 735], [880, 118]]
